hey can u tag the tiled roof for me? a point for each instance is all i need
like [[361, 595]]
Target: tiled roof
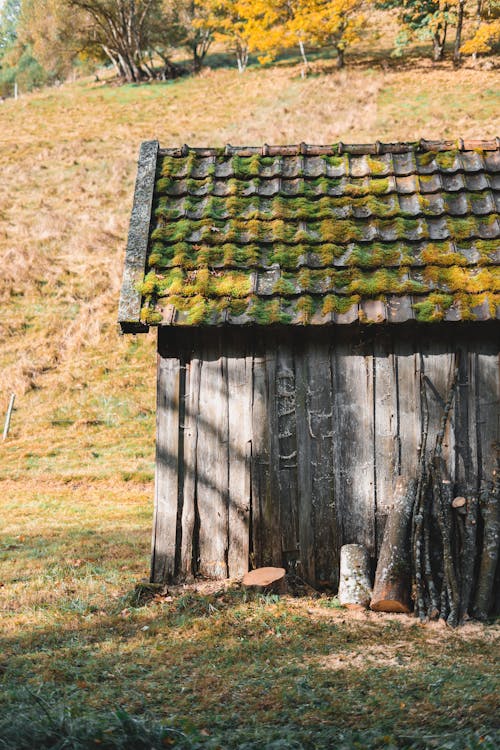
[[318, 235]]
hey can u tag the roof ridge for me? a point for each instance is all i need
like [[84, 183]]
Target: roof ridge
[[339, 148]]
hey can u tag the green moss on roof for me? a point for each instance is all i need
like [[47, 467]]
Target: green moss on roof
[[225, 226]]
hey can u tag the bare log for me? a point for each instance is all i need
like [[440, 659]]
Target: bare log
[[355, 586], [468, 555], [391, 590], [418, 514], [490, 509], [443, 492], [265, 580]]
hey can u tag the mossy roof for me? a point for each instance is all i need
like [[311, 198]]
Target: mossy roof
[[315, 235]]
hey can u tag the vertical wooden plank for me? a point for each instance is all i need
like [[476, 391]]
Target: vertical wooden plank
[[408, 402], [239, 394], [306, 502], [266, 548], [386, 430], [189, 509], [212, 463], [167, 468], [285, 399], [353, 430], [463, 465], [438, 364], [487, 410], [318, 531]]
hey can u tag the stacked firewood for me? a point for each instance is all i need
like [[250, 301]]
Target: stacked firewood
[[454, 540]]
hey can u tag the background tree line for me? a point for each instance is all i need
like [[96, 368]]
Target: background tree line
[[42, 41]]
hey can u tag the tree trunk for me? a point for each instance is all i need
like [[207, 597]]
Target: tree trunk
[[355, 587], [490, 509], [391, 591], [458, 34], [305, 69], [438, 42], [340, 57]]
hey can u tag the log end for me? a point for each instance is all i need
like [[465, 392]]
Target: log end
[[262, 579], [389, 605]]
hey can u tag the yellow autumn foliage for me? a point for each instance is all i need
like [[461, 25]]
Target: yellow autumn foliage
[[483, 41]]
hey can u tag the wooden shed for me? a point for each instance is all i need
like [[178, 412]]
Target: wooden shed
[[314, 306]]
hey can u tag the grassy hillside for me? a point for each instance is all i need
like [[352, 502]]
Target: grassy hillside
[[76, 471]]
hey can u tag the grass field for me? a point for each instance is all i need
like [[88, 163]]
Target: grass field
[[77, 469]]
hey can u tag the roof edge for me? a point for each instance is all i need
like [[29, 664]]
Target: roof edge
[[129, 309], [339, 148]]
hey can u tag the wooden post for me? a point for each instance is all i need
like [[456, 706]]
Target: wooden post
[[8, 416], [391, 591]]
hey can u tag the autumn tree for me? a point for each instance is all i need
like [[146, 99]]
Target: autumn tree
[[128, 33], [424, 20], [199, 23], [487, 29], [329, 23]]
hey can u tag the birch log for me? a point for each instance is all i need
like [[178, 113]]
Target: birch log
[[355, 587], [391, 591]]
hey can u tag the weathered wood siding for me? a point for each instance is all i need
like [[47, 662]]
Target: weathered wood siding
[[278, 447]]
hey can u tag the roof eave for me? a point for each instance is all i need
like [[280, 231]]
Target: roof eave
[[129, 310]]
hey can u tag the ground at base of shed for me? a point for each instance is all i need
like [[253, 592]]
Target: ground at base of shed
[[300, 596]]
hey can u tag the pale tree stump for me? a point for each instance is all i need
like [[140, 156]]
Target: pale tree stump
[[391, 590], [265, 580], [354, 587]]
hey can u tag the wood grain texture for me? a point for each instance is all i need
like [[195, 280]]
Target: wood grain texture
[[386, 446], [212, 466], [315, 425], [307, 501], [353, 434], [487, 411], [164, 544], [408, 397], [285, 403], [438, 366], [239, 369], [189, 562]]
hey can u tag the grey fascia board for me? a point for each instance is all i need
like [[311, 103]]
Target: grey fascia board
[[129, 310]]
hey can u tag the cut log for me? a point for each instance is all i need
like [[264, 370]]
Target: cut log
[[354, 587], [391, 591], [270, 580]]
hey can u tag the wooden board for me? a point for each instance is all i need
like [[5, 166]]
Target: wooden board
[[353, 434], [239, 368], [168, 470], [408, 400], [438, 365], [307, 502], [265, 522], [487, 411], [318, 522], [212, 465], [284, 402], [385, 397], [189, 545]]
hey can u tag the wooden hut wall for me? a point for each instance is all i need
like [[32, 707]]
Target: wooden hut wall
[[277, 447]]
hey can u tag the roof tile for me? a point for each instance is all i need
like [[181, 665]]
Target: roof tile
[[324, 235]]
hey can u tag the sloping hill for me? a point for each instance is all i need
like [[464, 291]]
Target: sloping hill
[[77, 469]]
